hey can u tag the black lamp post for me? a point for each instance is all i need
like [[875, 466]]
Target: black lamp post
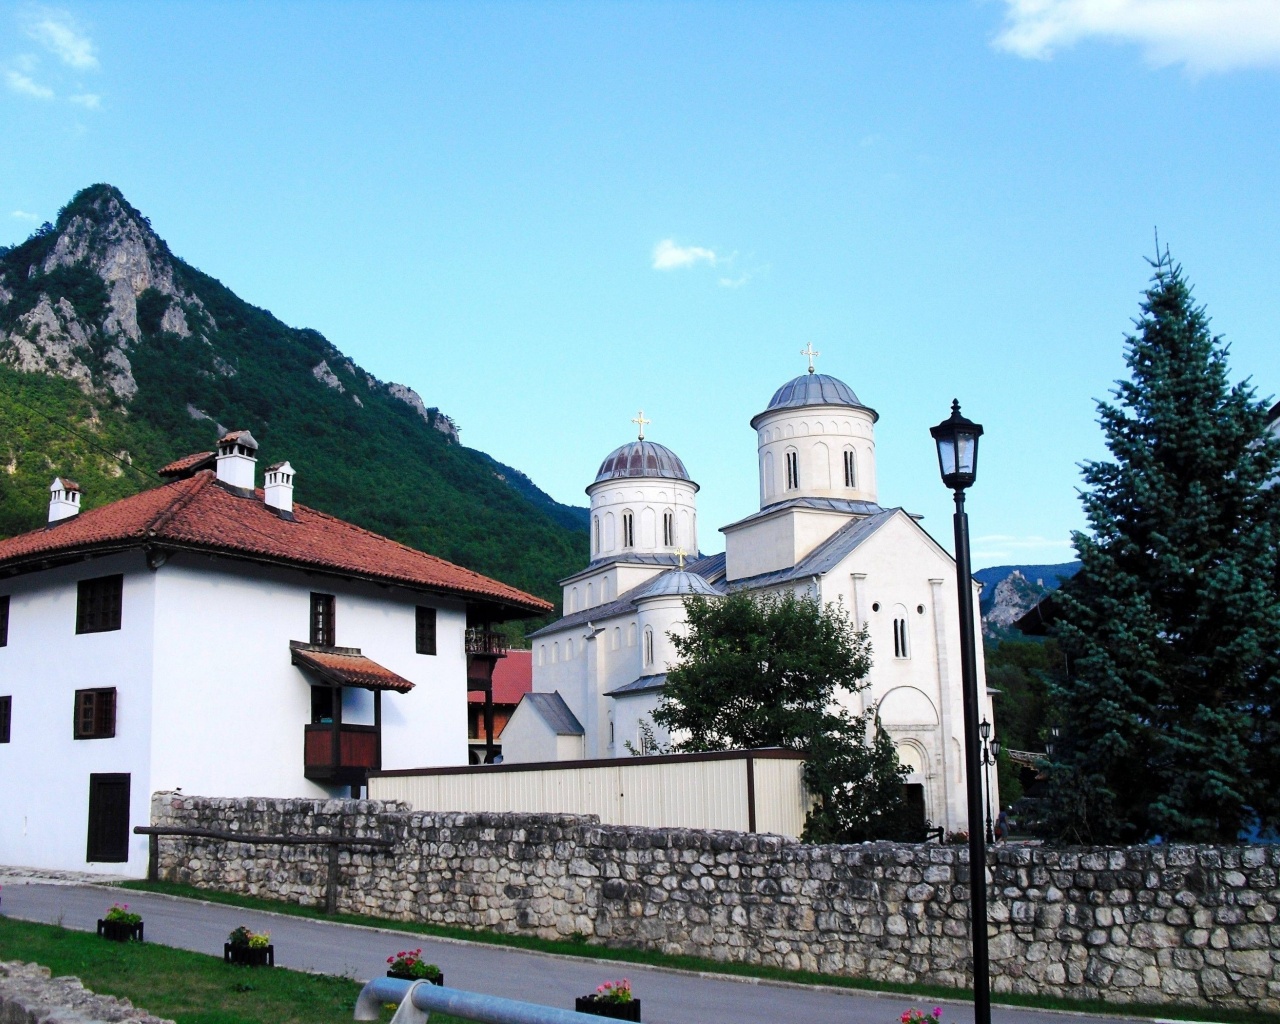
[[957, 441], [990, 754]]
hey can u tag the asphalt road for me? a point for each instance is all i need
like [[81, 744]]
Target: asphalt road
[[669, 997]]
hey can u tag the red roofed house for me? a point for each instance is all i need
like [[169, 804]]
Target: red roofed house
[[512, 679], [208, 636]]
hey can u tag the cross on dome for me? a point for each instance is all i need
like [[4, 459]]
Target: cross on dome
[[680, 553], [641, 422], [809, 351]]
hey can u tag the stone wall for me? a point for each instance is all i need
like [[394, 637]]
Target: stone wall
[[28, 995], [1181, 924]]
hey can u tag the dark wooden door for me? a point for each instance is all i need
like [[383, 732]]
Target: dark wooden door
[[108, 818], [913, 794]]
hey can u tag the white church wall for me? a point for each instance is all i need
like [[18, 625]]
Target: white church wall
[[46, 801], [818, 436], [777, 541], [525, 738], [646, 500]]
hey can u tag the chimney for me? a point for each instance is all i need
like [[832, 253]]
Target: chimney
[[238, 460], [278, 489], [64, 499]]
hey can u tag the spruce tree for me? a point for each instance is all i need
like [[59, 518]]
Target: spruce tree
[[1173, 622]]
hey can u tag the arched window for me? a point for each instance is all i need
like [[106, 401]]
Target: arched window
[[668, 529], [606, 589], [568, 649], [542, 654], [617, 637], [793, 469], [850, 468], [628, 530], [901, 648], [555, 653], [591, 595], [631, 635], [769, 485], [610, 535], [648, 647], [595, 535], [573, 599]]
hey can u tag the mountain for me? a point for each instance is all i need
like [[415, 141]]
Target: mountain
[[117, 357], [1010, 591]]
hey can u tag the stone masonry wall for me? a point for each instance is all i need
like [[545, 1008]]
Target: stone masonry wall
[[1194, 925], [28, 995]]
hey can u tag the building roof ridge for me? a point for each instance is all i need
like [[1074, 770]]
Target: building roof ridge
[[194, 484]]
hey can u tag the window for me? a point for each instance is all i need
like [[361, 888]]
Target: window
[[850, 468], [793, 470], [6, 716], [668, 529], [595, 524], [425, 630], [322, 705], [98, 604], [900, 639], [322, 624], [648, 647], [628, 530], [4, 620], [95, 714]]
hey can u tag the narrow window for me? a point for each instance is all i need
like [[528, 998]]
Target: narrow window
[[648, 647], [425, 630], [793, 470], [322, 705], [595, 522], [628, 530], [95, 714], [668, 529], [98, 604], [900, 639], [4, 620], [850, 468], [6, 716], [322, 624]]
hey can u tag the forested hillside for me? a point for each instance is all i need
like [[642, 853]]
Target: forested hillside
[[116, 357]]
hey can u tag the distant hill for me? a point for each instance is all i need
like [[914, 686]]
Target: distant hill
[[1009, 591], [116, 357]]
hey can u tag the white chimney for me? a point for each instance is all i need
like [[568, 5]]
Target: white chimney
[[278, 487], [238, 459], [64, 499]]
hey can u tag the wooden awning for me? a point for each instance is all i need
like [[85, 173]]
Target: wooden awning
[[346, 666]]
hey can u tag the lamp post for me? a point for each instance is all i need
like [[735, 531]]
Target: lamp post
[[957, 441], [990, 754]]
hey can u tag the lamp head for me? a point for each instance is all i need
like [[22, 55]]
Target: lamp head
[[957, 441]]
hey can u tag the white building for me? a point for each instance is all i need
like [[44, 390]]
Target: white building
[[819, 531], [208, 637]]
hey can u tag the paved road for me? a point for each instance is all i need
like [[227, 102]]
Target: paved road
[[670, 997]]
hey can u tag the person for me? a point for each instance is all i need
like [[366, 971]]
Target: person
[[1002, 826]]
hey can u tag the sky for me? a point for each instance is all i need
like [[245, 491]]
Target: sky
[[545, 217]]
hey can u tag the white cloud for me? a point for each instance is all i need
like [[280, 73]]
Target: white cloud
[[23, 215], [27, 86], [669, 256], [1204, 35], [58, 33], [88, 100]]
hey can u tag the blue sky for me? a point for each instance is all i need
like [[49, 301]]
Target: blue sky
[[546, 216]]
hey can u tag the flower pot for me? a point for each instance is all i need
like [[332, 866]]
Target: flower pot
[[120, 931], [608, 1008], [413, 977], [249, 956]]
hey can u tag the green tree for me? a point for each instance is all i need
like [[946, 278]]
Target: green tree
[[1171, 623], [768, 672]]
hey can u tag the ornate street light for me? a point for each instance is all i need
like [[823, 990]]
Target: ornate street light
[[990, 755], [957, 441]]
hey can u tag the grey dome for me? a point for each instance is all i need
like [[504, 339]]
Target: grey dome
[[677, 583], [814, 389], [641, 459]]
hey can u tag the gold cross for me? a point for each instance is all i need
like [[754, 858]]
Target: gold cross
[[808, 351], [641, 422], [680, 553]]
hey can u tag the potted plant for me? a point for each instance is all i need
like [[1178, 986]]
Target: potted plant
[[612, 999], [408, 964], [120, 924], [253, 949], [914, 1016]]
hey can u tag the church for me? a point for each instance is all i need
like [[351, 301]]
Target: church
[[820, 531]]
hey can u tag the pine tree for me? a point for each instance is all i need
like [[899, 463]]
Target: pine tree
[[767, 672], [1173, 621]]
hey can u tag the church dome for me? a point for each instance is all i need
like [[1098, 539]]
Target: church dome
[[642, 459], [677, 583], [815, 389]]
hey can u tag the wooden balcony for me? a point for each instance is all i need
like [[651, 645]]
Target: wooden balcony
[[343, 755]]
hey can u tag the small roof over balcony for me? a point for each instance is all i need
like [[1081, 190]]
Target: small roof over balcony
[[346, 666]]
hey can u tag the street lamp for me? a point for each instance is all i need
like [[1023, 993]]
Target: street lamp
[[957, 441], [990, 753]]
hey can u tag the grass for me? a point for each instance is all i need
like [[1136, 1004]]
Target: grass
[[190, 988], [581, 948]]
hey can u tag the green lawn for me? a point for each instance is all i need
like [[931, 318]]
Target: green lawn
[[190, 988], [693, 963]]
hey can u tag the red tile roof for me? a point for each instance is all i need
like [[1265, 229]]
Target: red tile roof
[[199, 514], [187, 465], [512, 679], [346, 666]]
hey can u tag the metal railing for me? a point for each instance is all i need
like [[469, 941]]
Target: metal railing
[[487, 641], [419, 999], [335, 843]]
